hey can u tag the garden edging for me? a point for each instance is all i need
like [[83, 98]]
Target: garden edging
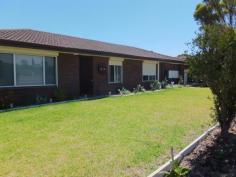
[[187, 150]]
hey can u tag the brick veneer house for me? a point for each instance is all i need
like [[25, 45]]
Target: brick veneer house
[[37, 63]]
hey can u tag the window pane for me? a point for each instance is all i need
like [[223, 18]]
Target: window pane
[[111, 70], [118, 74], [50, 70], [152, 78], [6, 70], [29, 70], [145, 78]]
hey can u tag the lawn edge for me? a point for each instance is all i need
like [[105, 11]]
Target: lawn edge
[[187, 150], [78, 100]]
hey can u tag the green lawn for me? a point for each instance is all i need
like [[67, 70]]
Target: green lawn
[[116, 136]]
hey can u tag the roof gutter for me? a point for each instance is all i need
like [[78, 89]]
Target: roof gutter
[[80, 51]]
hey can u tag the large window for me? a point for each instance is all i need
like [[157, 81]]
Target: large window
[[6, 70], [115, 74], [149, 71], [27, 70]]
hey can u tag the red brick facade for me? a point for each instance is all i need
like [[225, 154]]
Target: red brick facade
[[100, 79], [132, 76], [68, 75], [24, 95], [69, 79], [165, 67], [132, 73]]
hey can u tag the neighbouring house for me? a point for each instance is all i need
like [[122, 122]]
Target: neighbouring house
[[35, 63]]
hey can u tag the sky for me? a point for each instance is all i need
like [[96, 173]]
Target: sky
[[163, 26]]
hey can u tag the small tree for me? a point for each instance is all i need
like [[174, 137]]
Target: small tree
[[214, 59]]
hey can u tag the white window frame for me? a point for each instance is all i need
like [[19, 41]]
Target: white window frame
[[115, 61], [121, 77], [149, 80], [156, 74], [44, 76], [56, 74]]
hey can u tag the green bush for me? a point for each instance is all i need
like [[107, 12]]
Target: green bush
[[164, 84], [177, 171], [156, 85]]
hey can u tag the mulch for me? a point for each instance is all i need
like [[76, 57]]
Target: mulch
[[214, 156]]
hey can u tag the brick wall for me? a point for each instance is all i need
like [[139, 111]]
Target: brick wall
[[69, 80], [68, 74], [132, 73], [165, 67], [100, 79], [21, 96]]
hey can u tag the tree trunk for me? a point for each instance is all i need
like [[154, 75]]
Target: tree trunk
[[225, 121], [226, 117], [224, 129]]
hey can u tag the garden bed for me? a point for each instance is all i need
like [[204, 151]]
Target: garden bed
[[214, 156]]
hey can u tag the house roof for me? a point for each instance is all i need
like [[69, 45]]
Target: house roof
[[38, 39], [183, 57]]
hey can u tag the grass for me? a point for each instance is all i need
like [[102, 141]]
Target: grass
[[115, 136]]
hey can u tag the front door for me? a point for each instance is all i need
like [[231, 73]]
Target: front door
[[86, 75]]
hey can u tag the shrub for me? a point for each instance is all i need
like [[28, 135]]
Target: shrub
[[164, 84], [139, 88], [156, 85], [213, 57], [177, 171], [123, 91]]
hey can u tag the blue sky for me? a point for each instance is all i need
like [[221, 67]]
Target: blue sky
[[164, 26]]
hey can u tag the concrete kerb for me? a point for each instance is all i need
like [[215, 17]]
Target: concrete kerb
[[167, 166]]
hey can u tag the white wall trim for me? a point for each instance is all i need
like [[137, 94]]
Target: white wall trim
[[150, 62], [28, 51], [55, 53], [116, 61]]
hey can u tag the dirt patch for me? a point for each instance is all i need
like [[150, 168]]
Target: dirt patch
[[213, 157]]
